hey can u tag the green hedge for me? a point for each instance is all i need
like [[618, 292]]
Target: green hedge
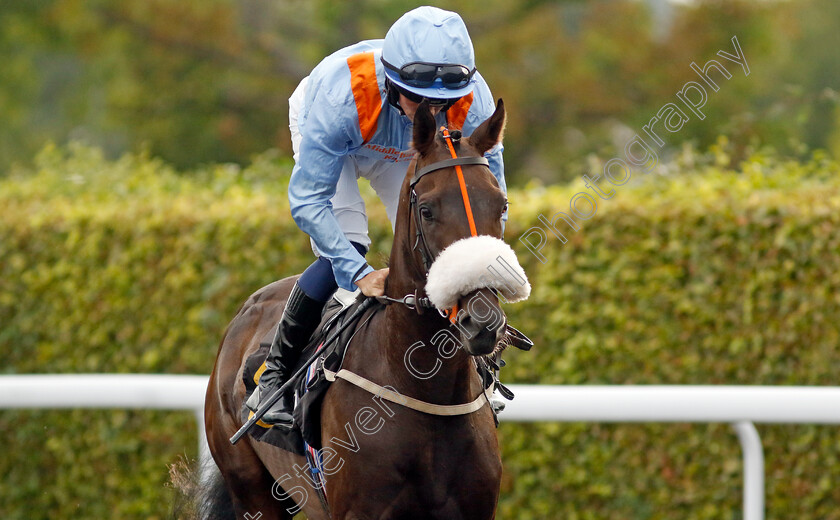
[[710, 277]]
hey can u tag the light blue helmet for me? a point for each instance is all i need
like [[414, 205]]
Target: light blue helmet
[[429, 35]]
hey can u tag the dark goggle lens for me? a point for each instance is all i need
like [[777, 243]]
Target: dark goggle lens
[[456, 79], [423, 75], [418, 74]]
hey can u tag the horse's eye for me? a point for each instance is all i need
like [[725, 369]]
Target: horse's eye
[[426, 213], [504, 209]]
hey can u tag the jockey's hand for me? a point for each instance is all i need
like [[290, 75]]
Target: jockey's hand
[[373, 284]]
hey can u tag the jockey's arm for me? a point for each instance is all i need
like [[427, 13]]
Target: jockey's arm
[[325, 141]]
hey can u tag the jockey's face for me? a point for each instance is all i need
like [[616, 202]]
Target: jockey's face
[[410, 107]]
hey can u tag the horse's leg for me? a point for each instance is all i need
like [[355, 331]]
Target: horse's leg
[[248, 482], [292, 478], [247, 467]]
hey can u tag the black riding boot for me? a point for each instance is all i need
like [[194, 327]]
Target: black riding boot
[[300, 318]]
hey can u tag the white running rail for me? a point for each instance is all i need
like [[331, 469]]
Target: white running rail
[[740, 406], [141, 391]]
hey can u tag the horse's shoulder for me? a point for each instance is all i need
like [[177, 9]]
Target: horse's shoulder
[[259, 313], [274, 293], [263, 306]]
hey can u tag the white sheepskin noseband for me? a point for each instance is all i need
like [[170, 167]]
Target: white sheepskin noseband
[[476, 263]]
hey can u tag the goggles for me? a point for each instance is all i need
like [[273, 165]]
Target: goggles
[[422, 75]]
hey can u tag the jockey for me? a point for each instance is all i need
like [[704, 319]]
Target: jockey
[[350, 118]]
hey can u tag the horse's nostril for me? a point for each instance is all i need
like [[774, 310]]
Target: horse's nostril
[[480, 342]]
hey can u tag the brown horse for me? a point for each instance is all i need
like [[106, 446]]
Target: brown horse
[[384, 460]]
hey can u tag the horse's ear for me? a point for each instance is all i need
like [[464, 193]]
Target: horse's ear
[[424, 128], [489, 132]]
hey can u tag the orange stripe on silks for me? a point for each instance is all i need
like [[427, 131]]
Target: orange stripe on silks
[[457, 115], [365, 91]]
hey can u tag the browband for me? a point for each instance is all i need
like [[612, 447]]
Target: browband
[[447, 163]]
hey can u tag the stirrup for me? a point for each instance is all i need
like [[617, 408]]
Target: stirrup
[[253, 401], [280, 414], [281, 419]]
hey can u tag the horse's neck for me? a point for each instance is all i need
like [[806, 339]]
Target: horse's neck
[[418, 365], [401, 329]]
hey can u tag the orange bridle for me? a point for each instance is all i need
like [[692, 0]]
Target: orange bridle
[[453, 312], [461, 181], [455, 162]]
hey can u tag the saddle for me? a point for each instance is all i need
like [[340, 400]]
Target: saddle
[[311, 386]]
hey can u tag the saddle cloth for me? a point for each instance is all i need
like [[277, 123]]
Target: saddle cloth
[[311, 386]]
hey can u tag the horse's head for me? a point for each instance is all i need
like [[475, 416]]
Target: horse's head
[[460, 260]]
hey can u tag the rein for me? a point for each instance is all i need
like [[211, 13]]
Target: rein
[[412, 301]]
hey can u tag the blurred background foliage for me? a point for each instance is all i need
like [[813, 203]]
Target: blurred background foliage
[[696, 274], [200, 81], [144, 161]]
